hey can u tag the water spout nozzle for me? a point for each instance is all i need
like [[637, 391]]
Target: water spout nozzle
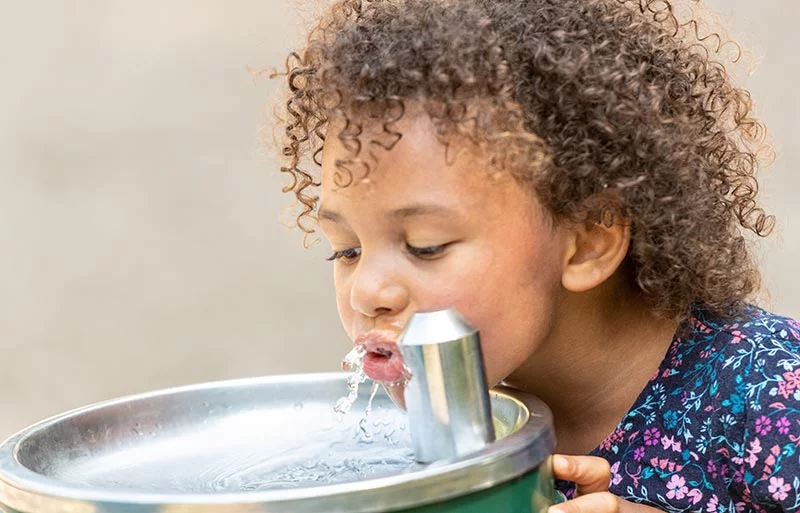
[[447, 397]]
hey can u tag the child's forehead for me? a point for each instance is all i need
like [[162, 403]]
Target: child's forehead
[[361, 122], [416, 184], [411, 138], [414, 147]]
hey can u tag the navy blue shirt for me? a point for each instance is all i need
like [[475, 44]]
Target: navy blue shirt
[[717, 428]]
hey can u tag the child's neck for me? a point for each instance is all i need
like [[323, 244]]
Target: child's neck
[[599, 357]]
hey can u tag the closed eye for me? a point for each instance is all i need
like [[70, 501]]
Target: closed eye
[[428, 252], [347, 256]]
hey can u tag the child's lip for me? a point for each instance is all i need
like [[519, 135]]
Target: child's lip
[[378, 341], [382, 362]]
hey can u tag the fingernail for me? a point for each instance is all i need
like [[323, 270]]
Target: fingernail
[[560, 464], [555, 509]]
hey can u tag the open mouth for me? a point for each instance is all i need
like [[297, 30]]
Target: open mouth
[[382, 362]]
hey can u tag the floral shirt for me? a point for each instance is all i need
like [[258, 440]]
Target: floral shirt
[[717, 428]]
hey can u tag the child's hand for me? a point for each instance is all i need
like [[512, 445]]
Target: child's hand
[[592, 475]]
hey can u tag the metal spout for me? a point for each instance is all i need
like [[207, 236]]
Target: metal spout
[[447, 397]]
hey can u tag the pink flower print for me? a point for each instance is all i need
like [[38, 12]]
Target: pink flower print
[[792, 379], [737, 336], [695, 495], [763, 425], [711, 468], [676, 487], [738, 474], [794, 327], [669, 443], [778, 488], [616, 478], [782, 425], [755, 448], [713, 504], [770, 461], [638, 453], [651, 436], [784, 390], [700, 326], [617, 436]]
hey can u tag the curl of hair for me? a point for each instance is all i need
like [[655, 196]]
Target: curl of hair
[[610, 110]]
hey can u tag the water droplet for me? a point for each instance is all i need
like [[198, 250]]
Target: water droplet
[[362, 425], [368, 409], [354, 360]]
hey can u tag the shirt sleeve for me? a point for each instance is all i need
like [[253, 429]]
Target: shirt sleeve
[[768, 459]]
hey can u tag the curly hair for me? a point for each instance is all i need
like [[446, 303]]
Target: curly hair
[[610, 110]]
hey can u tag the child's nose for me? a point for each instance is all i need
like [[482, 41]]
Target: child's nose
[[377, 291]]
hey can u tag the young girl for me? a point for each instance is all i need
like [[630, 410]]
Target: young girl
[[576, 177]]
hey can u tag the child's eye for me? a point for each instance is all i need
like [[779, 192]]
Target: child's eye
[[427, 253], [346, 255]]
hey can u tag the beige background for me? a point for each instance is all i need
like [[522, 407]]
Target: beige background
[[140, 245]]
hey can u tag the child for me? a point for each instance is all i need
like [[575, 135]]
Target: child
[[575, 177]]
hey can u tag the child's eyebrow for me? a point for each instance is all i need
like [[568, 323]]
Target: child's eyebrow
[[422, 209], [329, 215], [418, 209]]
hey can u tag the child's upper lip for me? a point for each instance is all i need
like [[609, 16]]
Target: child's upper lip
[[378, 341]]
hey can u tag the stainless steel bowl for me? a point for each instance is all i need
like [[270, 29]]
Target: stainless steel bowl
[[270, 444]]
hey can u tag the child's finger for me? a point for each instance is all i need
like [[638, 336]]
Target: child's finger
[[601, 502], [590, 473]]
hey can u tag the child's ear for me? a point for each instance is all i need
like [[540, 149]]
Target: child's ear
[[594, 253]]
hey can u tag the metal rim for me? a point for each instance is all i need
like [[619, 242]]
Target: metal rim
[[510, 457]]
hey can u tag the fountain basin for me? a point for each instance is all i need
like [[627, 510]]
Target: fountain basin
[[268, 445]]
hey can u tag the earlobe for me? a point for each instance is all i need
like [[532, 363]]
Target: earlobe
[[594, 253]]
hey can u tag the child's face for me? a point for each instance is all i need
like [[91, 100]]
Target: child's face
[[419, 234]]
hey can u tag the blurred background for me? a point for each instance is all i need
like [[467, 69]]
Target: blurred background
[[141, 245]]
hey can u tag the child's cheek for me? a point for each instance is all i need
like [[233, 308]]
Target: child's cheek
[[455, 281], [343, 305]]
